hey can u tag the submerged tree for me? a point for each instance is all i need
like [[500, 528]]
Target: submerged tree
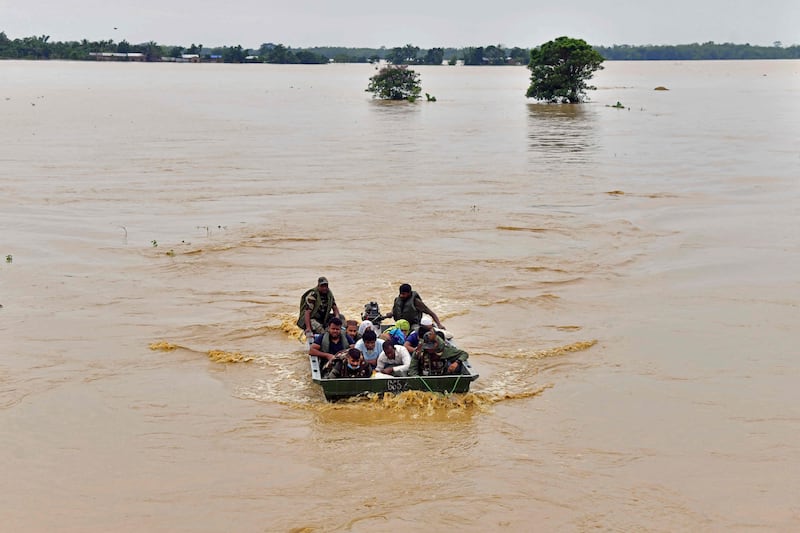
[[560, 70], [396, 82]]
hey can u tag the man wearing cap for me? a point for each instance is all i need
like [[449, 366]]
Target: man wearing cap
[[317, 306], [435, 357], [413, 338], [409, 306]]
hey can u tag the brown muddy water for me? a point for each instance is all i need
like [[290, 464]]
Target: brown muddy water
[[625, 280]]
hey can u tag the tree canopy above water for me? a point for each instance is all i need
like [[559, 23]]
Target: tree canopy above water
[[560, 70]]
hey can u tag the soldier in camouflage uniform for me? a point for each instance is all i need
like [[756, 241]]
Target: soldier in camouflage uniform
[[435, 357], [347, 364]]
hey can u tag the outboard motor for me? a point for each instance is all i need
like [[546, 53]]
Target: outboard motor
[[372, 312]]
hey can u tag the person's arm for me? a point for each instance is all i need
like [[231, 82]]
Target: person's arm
[[419, 304], [454, 357], [335, 309], [413, 366], [408, 346], [404, 356], [310, 300], [314, 349]]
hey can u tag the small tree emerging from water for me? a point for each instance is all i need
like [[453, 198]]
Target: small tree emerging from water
[[395, 82], [560, 70]]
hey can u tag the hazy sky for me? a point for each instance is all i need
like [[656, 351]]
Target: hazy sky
[[355, 23]]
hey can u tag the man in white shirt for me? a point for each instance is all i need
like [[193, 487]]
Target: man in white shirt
[[394, 360]]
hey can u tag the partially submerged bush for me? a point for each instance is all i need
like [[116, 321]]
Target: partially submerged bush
[[395, 82]]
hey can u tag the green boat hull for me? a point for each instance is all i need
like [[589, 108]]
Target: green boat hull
[[337, 388]]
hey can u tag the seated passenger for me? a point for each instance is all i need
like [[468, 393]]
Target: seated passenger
[[397, 332], [331, 342], [370, 346], [347, 364], [364, 326], [435, 357], [351, 328], [394, 360], [412, 341]]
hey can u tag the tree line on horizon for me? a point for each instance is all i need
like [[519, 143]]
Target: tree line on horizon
[[40, 47]]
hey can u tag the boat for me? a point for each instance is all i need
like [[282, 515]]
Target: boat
[[338, 388]]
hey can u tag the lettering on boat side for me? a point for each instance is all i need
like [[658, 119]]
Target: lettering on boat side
[[396, 385]]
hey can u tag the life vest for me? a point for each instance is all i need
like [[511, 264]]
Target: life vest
[[407, 309], [430, 366], [325, 345], [315, 313]]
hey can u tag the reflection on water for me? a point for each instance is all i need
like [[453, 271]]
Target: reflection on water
[[563, 131]]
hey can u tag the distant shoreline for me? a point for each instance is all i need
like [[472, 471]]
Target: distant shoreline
[[41, 48]]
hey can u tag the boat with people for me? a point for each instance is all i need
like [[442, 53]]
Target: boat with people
[[339, 387]]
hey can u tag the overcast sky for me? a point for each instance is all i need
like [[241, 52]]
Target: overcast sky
[[446, 23]]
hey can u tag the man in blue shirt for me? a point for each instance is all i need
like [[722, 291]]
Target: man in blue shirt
[[333, 341], [371, 346]]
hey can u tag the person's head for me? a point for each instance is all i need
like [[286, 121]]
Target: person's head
[[369, 339], [405, 291], [364, 327], [352, 328], [403, 326], [335, 327], [388, 348], [432, 343], [353, 358], [425, 324], [322, 284]]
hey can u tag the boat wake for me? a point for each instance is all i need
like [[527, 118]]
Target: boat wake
[[283, 378]]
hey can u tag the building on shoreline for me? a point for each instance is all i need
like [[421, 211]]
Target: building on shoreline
[[118, 56]]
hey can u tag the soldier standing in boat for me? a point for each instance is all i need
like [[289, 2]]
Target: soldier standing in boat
[[409, 306], [317, 307]]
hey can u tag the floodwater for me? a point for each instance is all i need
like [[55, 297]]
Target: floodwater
[[625, 280]]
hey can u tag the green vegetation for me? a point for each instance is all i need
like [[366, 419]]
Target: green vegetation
[[396, 82], [694, 51], [560, 70], [41, 47]]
